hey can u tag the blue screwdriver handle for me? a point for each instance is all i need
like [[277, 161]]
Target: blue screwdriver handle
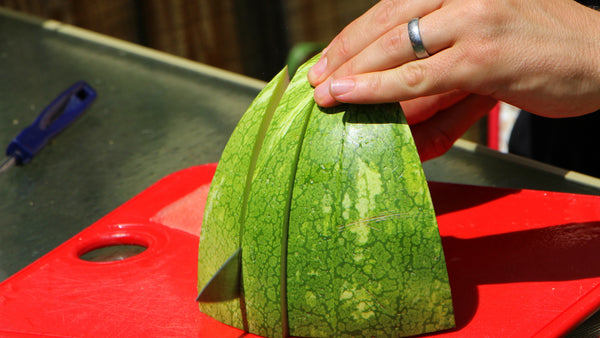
[[58, 115]]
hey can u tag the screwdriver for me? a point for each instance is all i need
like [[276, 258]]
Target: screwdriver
[[58, 115]]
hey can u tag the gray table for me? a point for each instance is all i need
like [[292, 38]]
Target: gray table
[[155, 114]]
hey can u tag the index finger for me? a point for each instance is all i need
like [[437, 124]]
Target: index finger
[[366, 29]]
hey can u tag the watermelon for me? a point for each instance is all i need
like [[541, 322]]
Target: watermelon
[[333, 215]]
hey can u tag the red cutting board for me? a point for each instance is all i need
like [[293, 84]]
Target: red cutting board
[[521, 263]]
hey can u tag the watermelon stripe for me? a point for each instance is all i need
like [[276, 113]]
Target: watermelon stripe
[[260, 137], [221, 225], [311, 244], [266, 121], [285, 232], [265, 234]]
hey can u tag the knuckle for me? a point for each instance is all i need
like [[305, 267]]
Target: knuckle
[[385, 16], [392, 42], [413, 74], [486, 15], [475, 55], [342, 46], [480, 11], [476, 58], [374, 85], [482, 43]]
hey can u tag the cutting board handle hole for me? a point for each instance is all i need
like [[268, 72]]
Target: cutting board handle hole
[[117, 247]]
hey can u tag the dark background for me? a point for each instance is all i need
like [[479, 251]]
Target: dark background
[[247, 37]]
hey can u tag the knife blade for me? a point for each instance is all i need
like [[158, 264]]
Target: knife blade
[[226, 283]]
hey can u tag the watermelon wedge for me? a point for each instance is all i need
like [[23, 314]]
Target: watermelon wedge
[[332, 213]]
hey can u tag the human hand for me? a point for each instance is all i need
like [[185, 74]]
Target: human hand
[[541, 56], [437, 121]]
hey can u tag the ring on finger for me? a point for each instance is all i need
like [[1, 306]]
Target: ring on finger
[[414, 34]]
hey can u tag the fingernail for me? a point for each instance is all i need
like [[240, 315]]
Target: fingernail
[[322, 93], [322, 96], [317, 70], [341, 86]]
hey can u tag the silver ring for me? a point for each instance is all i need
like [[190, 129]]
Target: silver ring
[[414, 34]]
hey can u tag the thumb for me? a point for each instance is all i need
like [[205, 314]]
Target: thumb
[[436, 135]]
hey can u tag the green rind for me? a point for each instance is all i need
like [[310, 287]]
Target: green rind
[[324, 206], [349, 228], [265, 235], [313, 216], [225, 205]]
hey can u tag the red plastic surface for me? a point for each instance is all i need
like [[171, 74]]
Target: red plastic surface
[[521, 263]]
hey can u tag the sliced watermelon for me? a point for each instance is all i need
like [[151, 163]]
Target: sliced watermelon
[[334, 218]]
